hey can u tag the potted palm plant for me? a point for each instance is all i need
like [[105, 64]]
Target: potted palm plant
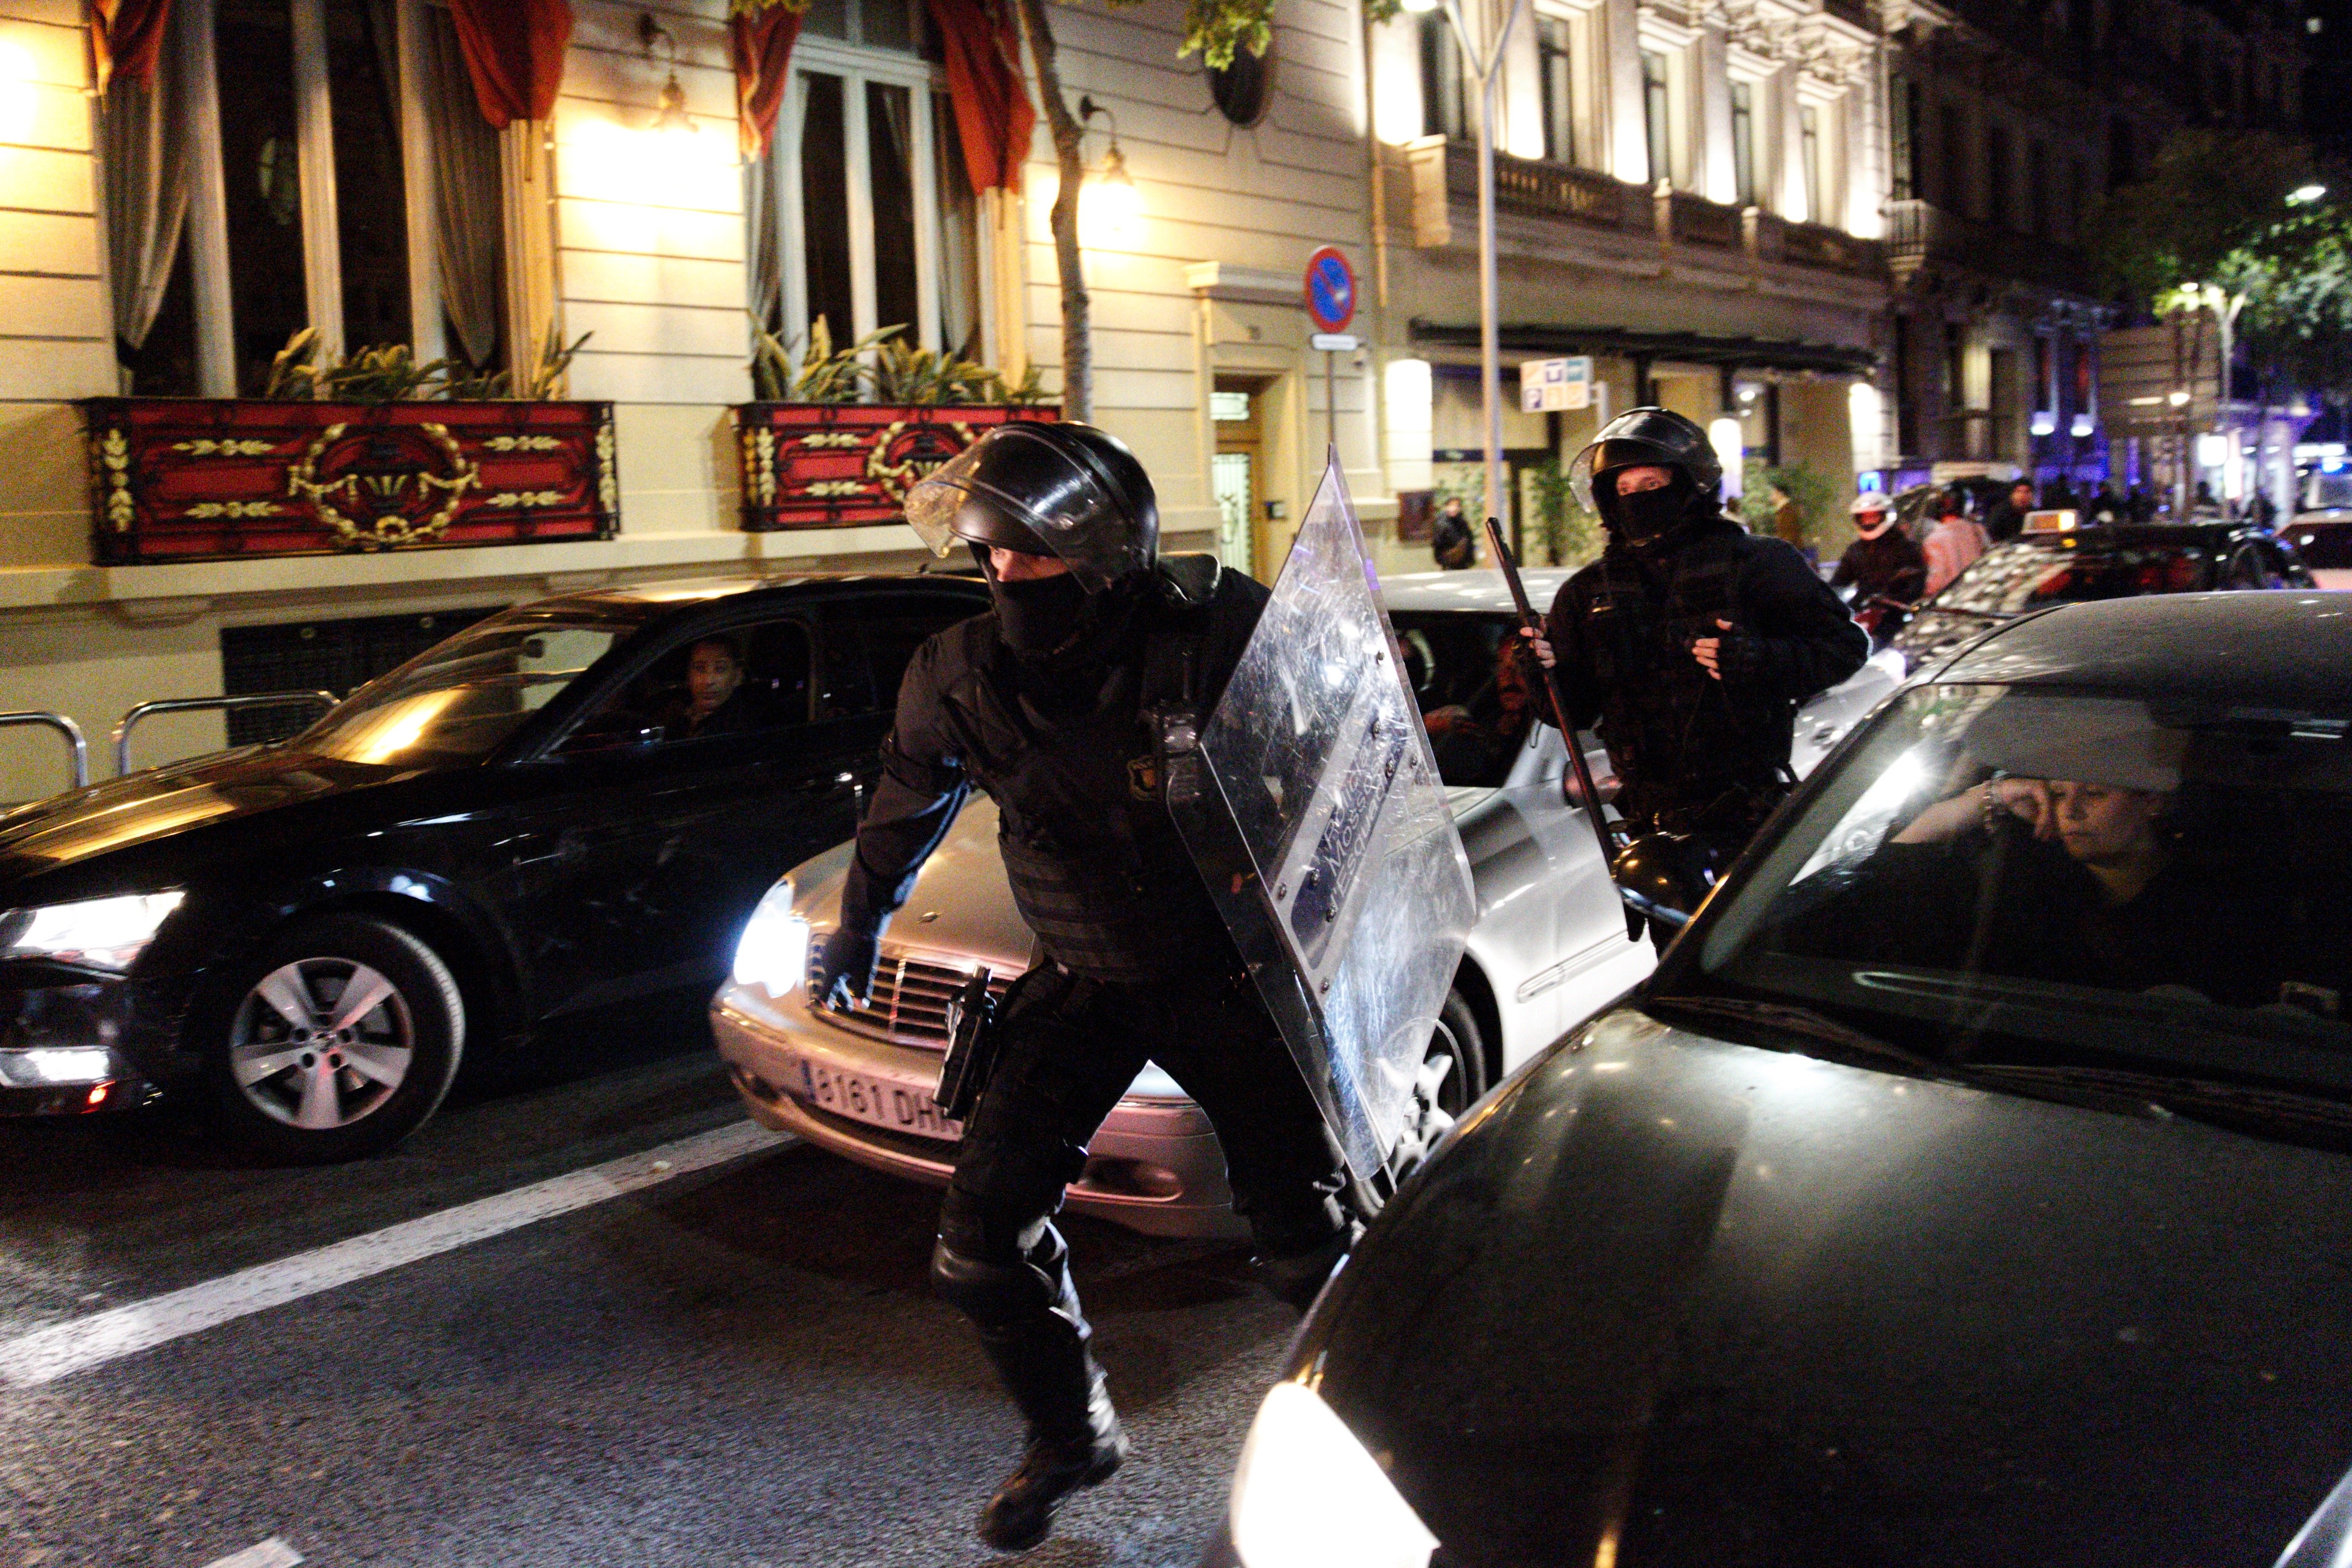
[[839, 441]]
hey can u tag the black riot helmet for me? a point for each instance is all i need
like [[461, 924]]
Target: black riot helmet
[[1640, 437], [1045, 489]]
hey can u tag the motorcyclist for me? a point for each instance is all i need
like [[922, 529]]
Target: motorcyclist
[[1883, 566], [1045, 703], [1692, 643]]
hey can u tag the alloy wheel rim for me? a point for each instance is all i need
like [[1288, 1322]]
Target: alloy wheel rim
[[321, 1043], [1429, 1121]]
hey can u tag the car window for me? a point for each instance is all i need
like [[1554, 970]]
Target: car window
[[457, 701], [2064, 877], [2028, 574], [869, 641], [1472, 699], [738, 679], [2326, 546], [2327, 490]]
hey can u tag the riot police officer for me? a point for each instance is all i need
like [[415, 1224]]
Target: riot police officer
[[1046, 703], [1691, 642]]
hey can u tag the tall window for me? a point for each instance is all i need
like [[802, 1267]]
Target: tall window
[[875, 212], [1809, 127], [2037, 191], [1443, 111], [1902, 131], [1954, 172], [2000, 209], [1657, 114], [1743, 143], [1556, 52], [317, 196]]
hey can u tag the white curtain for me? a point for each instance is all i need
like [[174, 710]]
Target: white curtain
[[144, 165], [468, 221]]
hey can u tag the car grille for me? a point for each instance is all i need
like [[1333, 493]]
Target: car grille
[[908, 1002]]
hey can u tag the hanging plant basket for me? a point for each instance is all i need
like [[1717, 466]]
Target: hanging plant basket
[[846, 465], [226, 479]]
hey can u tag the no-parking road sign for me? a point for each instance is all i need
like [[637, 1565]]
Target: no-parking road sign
[[1330, 289]]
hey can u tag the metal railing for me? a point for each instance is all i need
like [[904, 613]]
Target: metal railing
[[76, 747], [1918, 231], [130, 721]]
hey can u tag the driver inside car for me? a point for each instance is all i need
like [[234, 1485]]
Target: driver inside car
[[2064, 864]]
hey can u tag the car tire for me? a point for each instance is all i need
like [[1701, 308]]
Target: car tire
[[1453, 1079], [298, 1079]]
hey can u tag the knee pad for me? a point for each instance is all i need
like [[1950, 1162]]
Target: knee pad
[[996, 1287]]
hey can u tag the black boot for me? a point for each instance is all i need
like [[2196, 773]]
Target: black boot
[[1296, 1277], [1031, 1327]]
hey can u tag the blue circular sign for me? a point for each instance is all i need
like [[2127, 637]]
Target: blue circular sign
[[1330, 289]]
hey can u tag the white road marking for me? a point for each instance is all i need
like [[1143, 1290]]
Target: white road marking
[[271, 1553], [76, 1345]]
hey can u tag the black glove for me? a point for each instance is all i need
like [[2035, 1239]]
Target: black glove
[[844, 971]]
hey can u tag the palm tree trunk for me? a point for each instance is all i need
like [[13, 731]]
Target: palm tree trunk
[[1069, 147]]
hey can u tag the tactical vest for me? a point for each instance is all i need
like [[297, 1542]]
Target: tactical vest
[[1095, 863], [1678, 742]]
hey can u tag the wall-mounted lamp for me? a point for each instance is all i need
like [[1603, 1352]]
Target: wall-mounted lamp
[[1111, 206], [2044, 423], [2083, 426], [2178, 398], [670, 116]]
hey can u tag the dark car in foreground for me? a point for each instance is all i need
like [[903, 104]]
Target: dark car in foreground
[[1969, 1185], [2035, 571], [530, 820]]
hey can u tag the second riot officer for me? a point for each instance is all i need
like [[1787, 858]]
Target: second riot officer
[[1692, 643], [1046, 704]]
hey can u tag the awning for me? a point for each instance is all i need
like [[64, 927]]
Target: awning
[[1681, 348]]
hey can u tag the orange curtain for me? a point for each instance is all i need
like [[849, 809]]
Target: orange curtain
[[514, 52], [127, 38], [763, 55], [993, 115]]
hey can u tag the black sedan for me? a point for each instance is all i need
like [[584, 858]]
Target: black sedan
[[1969, 1185], [571, 804], [2035, 571]]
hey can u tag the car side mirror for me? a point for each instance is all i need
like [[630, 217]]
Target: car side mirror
[[1604, 780]]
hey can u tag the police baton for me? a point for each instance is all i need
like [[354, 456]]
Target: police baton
[[1534, 623]]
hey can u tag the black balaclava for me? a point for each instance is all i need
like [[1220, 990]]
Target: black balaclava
[[1038, 615], [1646, 518]]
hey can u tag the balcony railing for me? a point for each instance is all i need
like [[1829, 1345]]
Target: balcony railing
[[1918, 232], [1444, 171]]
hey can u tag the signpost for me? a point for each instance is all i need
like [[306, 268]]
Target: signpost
[[1556, 385], [1330, 299]]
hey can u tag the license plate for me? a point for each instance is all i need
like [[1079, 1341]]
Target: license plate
[[875, 1102]]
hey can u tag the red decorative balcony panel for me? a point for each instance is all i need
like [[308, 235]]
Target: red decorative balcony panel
[[220, 478], [843, 465]]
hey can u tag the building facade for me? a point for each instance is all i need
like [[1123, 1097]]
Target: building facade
[[2007, 125], [1689, 194], [338, 177]]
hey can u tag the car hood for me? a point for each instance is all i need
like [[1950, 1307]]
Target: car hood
[[962, 907], [1666, 1299], [159, 802]]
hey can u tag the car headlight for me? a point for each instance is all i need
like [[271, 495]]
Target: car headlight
[[94, 933], [1308, 1493], [772, 952]]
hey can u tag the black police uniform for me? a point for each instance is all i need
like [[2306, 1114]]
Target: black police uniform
[[1694, 754], [1136, 965]]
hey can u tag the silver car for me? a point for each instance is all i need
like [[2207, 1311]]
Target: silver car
[[1548, 950]]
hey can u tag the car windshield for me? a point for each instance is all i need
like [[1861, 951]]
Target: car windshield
[[2025, 575], [2020, 875], [2325, 489], [1472, 699], [455, 703]]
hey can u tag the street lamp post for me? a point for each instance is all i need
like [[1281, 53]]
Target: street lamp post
[[1486, 66]]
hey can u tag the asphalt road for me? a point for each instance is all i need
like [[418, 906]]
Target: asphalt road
[[738, 1365]]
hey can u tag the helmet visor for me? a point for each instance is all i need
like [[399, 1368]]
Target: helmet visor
[[1017, 491], [1601, 458]]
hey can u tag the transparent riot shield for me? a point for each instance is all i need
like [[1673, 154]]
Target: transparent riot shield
[[1311, 801]]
